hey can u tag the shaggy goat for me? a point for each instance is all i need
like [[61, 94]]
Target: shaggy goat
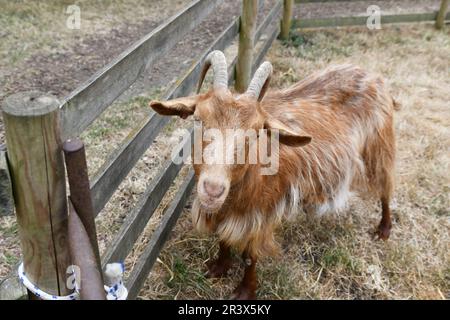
[[336, 137]]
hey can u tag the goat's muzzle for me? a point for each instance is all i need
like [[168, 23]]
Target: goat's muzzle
[[212, 190]]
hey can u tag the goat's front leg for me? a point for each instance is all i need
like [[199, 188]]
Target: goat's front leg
[[219, 267], [247, 288]]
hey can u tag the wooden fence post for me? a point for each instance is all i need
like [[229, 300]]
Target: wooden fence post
[[287, 19], [38, 178], [440, 18], [246, 44]]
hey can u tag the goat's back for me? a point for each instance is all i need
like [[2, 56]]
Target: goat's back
[[344, 109]]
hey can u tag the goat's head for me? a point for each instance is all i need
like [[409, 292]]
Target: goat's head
[[225, 115]]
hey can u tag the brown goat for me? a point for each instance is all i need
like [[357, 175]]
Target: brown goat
[[336, 138]]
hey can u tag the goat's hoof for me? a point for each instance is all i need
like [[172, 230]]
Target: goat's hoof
[[243, 293], [383, 232], [218, 269]]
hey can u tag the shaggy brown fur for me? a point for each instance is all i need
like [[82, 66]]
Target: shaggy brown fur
[[336, 139]]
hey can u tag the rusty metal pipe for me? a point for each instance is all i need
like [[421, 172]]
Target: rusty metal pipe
[[80, 194], [82, 253]]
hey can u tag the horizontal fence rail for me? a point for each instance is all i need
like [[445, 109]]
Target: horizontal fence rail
[[189, 80], [268, 20], [143, 266], [362, 20], [323, 1], [271, 36], [123, 160], [141, 214], [86, 103]]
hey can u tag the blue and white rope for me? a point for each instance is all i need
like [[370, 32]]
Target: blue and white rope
[[117, 291], [38, 292]]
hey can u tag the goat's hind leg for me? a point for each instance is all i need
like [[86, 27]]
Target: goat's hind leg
[[381, 168], [386, 187], [219, 268], [384, 228]]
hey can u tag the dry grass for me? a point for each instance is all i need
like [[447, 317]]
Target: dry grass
[[333, 257], [38, 51], [28, 26]]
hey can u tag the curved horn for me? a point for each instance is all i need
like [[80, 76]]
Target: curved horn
[[217, 60], [260, 82]]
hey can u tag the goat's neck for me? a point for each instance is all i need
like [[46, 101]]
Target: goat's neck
[[267, 190]]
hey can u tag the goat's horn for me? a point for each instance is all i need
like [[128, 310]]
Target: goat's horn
[[217, 60], [260, 82]]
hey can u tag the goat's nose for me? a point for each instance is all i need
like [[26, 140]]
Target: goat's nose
[[213, 189]]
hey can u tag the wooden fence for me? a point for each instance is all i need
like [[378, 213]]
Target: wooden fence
[[36, 124], [333, 22]]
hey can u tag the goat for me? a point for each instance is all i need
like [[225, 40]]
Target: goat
[[336, 137]]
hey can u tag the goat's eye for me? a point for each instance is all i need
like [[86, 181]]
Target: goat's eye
[[197, 118]]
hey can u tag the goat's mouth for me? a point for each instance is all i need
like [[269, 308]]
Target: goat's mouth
[[210, 205]]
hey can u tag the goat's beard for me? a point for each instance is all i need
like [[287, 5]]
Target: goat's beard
[[201, 219]]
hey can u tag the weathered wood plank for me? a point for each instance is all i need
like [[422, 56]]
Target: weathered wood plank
[[87, 102], [142, 212], [362, 20], [6, 199], [272, 35], [39, 189], [142, 268], [123, 159], [318, 1], [189, 80], [269, 20]]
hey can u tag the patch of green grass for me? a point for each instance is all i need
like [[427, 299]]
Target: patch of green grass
[[339, 258], [9, 230], [10, 259], [183, 276], [281, 285], [296, 39], [98, 132]]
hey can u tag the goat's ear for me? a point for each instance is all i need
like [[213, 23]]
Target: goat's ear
[[286, 135], [182, 107]]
